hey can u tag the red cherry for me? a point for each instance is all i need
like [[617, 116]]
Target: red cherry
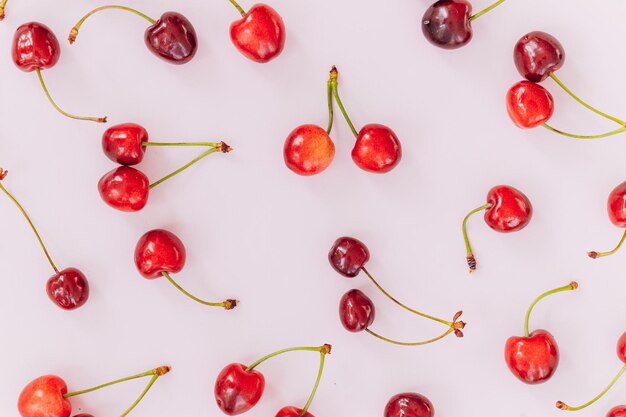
[[125, 188], [377, 149], [308, 150], [43, 397], [529, 105], [159, 251], [237, 390], [172, 38], [537, 55], [35, 47], [348, 256], [68, 289], [617, 205], [510, 209], [446, 23], [532, 359], [356, 311], [409, 404], [292, 412], [260, 34], [619, 411], [621, 348], [124, 143]]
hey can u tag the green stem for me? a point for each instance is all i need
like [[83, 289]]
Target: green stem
[[333, 84], [331, 113], [395, 342], [317, 384], [471, 261], [595, 255], [156, 372], [569, 287], [184, 167], [210, 144], [571, 135], [323, 348], [239, 8], [32, 226], [3, 3], [228, 304], [579, 100], [143, 394], [63, 112], [562, 406], [76, 28], [487, 10]]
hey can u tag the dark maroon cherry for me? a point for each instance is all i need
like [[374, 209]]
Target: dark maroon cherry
[[537, 55], [348, 255], [356, 311], [68, 289], [172, 38], [447, 25]]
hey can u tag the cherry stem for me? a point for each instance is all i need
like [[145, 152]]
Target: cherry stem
[[32, 226], [157, 372], [471, 261], [227, 305], [595, 255], [143, 394], [331, 112], [569, 287], [239, 8], [579, 100], [572, 135], [63, 112], [485, 11], [3, 3], [395, 342], [333, 85], [76, 28], [324, 348], [562, 406], [317, 383], [210, 144], [221, 146]]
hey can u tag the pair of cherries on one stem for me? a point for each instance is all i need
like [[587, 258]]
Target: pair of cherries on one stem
[[47, 395], [507, 210], [538, 55], [125, 188], [309, 149], [348, 257], [448, 23], [67, 288], [238, 387], [616, 207]]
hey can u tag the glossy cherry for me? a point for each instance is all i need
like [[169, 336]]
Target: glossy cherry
[[356, 311], [238, 390], [159, 251], [125, 143], [125, 189], [308, 150], [529, 105], [348, 256], [259, 34], [292, 412], [619, 411], [409, 404], [43, 397], [537, 55], [616, 207], [447, 24], [377, 149]]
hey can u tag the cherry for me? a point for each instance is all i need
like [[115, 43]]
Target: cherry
[[529, 105], [537, 55], [171, 38], [619, 411], [533, 358], [616, 208], [409, 404], [36, 48], [308, 150], [507, 210], [125, 189], [447, 23], [259, 34], [124, 143], [292, 412], [356, 311], [348, 256]]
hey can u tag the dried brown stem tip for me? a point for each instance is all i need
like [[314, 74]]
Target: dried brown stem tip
[[593, 255], [162, 370], [471, 262], [3, 174], [326, 349], [2, 14], [334, 73], [561, 405], [230, 304], [73, 35], [457, 326], [573, 284], [224, 148]]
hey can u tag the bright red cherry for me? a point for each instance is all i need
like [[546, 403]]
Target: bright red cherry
[[616, 207], [529, 105], [238, 390], [124, 143], [537, 55], [621, 348], [125, 189], [377, 149], [68, 289], [619, 411], [409, 404], [447, 24], [259, 34], [35, 47], [348, 256], [356, 311], [159, 251], [43, 397], [308, 150], [533, 358], [292, 412]]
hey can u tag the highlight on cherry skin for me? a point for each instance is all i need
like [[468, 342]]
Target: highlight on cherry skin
[[409, 404], [35, 48], [348, 257], [238, 387], [67, 288], [48, 396], [172, 37], [621, 354], [160, 253], [534, 357], [259, 34], [616, 208], [507, 210], [448, 23]]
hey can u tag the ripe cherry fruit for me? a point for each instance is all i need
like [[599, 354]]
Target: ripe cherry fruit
[[409, 404], [171, 38], [529, 105], [507, 210], [36, 48], [537, 55], [616, 208], [619, 411], [308, 150], [259, 34], [533, 358]]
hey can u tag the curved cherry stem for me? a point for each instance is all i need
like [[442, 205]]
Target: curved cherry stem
[[395, 342], [3, 174], [60, 110], [595, 255], [569, 287], [221, 146], [227, 305], [333, 84], [238, 7], [486, 10], [3, 4], [331, 112], [74, 32], [575, 136], [471, 260], [579, 100], [209, 144], [317, 383], [324, 348], [162, 370], [562, 406]]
